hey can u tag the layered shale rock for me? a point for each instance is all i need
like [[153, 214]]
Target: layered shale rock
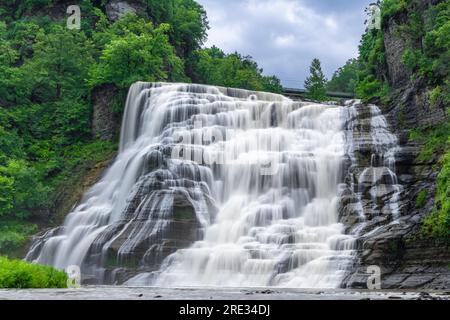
[[379, 205]]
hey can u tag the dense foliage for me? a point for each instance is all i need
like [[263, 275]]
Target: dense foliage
[[135, 50], [215, 67], [427, 57], [47, 76], [20, 274], [372, 74], [13, 234], [315, 83], [344, 79]]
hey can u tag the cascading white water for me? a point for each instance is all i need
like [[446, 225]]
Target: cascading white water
[[280, 230], [258, 227]]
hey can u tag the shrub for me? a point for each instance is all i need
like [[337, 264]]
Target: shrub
[[371, 88], [434, 139], [20, 274], [421, 199], [391, 7]]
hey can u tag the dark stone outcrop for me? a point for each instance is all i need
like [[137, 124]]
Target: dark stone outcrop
[[105, 122], [395, 46], [116, 9], [411, 107], [406, 262]]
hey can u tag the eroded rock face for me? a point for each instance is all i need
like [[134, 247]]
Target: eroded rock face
[[395, 46], [372, 193], [406, 262], [378, 203], [105, 122], [411, 107], [116, 9]]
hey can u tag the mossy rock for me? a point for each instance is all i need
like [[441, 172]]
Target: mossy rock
[[184, 213]]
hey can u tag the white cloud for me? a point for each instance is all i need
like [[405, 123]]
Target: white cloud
[[284, 41], [284, 36]]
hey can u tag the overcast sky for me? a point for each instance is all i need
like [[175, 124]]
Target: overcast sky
[[283, 36]]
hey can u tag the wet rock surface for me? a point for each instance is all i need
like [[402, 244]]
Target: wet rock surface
[[160, 218], [392, 241]]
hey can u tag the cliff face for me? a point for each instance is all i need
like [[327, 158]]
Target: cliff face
[[410, 106], [105, 121], [407, 260]]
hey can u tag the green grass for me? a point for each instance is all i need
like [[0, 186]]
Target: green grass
[[421, 199], [20, 274]]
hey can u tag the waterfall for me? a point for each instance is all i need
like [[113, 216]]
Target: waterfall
[[221, 187]]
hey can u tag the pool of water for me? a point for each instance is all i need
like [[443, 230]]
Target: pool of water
[[154, 293]]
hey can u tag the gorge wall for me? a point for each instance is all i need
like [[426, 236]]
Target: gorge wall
[[407, 259]]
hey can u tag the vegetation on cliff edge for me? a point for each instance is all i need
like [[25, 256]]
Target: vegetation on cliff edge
[[426, 33]]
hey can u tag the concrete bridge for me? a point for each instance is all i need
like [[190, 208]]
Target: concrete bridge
[[301, 93]]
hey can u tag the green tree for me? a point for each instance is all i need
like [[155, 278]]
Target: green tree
[[6, 195], [138, 52], [345, 78], [315, 84], [372, 74], [21, 189], [188, 23], [59, 65], [8, 56], [215, 67]]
